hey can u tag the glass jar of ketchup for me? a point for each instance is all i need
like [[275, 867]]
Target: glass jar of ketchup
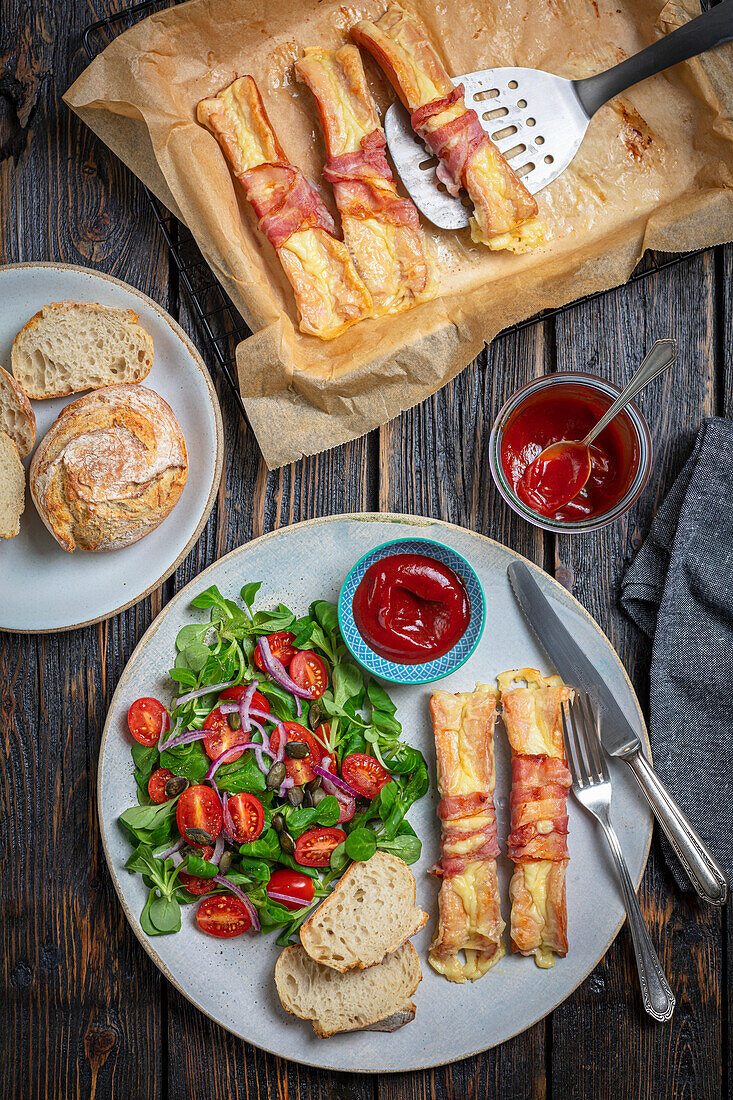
[[565, 406]]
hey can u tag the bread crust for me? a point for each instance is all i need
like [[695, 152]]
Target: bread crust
[[24, 441], [12, 490], [110, 469]]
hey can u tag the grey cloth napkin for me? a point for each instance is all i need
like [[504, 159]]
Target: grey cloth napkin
[[679, 590]]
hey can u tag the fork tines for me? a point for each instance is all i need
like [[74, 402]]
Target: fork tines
[[583, 742]]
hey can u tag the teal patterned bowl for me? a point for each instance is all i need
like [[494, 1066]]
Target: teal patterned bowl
[[428, 671]]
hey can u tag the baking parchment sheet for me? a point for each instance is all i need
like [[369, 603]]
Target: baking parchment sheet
[[655, 171]]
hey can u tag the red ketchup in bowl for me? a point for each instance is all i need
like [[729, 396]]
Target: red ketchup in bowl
[[411, 608], [566, 412]]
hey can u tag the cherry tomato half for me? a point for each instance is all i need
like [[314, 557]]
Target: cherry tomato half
[[300, 771], [280, 647], [234, 694], [157, 782], [147, 719], [196, 885], [293, 883], [309, 673], [365, 774], [223, 916], [199, 808], [313, 848], [248, 816], [222, 736]]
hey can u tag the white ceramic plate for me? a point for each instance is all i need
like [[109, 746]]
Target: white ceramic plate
[[232, 980], [44, 588]]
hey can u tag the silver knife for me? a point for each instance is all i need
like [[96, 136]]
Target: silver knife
[[618, 736]]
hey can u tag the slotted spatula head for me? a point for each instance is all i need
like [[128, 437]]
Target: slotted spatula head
[[534, 118]]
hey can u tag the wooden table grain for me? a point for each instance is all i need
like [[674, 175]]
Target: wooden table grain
[[83, 1011]]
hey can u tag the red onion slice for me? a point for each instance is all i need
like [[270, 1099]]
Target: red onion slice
[[277, 670], [223, 757], [174, 848], [185, 738], [202, 691], [256, 926], [218, 848], [288, 898], [244, 705], [334, 781], [285, 786]]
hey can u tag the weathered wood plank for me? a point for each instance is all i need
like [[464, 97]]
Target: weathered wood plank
[[596, 1030], [81, 1006], [434, 461]]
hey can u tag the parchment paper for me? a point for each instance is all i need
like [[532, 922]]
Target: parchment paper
[[655, 171]]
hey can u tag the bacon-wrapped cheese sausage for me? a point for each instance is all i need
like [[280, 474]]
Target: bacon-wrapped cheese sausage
[[381, 229], [329, 293], [537, 844], [504, 211], [469, 913]]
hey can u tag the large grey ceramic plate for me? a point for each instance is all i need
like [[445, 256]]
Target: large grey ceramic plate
[[232, 980], [44, 588]]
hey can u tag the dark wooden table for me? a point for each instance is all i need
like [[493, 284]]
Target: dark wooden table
[[84, 1012]]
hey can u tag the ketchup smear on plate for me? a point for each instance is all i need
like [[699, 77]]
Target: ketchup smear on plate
[[566, 412], [411, 608]]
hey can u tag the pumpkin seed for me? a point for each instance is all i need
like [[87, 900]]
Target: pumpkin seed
[[308, 799], [313, 785], [287, 843], [316, 715], [295, 796], [278, 822], [175, 785], [318, 796], [225, 862], [275, 776], [199, 837], [235, 720], [297, 750]]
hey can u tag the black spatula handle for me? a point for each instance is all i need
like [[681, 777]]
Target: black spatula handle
[[709, 30]]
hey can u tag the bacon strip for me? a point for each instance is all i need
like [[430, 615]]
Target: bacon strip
[[381, 228], [504, 211], [284, 202], [329, 293], [537, 843], [469, 912]]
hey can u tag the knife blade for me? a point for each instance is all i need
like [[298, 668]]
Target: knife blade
[[618, 736]]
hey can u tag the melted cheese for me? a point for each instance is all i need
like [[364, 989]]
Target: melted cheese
[[466, 886], [535, 879]]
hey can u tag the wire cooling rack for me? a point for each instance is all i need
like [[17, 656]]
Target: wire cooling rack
[[220, 322]]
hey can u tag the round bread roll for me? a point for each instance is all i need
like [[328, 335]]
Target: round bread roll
[[110, 468]]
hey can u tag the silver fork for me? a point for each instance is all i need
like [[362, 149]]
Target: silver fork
[[592, 788]]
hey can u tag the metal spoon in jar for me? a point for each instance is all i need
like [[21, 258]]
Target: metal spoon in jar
[[559, 472]]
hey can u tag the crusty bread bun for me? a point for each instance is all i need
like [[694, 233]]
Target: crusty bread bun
[[377, 999], [73, 346], [369, 914], [12, 488], [16, 415], [110, 469]]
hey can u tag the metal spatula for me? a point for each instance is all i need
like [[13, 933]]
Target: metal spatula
[[538, 120]]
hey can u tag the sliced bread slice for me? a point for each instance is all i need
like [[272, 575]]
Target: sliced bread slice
[[16, 415], [74, 346], [369, 914], [374, 999], [12, 488]]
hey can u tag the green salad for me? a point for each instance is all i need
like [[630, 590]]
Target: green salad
[[278, 763]]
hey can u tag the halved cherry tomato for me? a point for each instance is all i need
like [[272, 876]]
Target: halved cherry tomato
[[313, 848], [300, 771], [223, 916], [280, 647], [199, 808], [196, 885], [248, 816], [234, 694], [157, 782], [347, 809], [295, 884], [365, 774], [309, 673], [322, 737], [147, 719], [222, 736]]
